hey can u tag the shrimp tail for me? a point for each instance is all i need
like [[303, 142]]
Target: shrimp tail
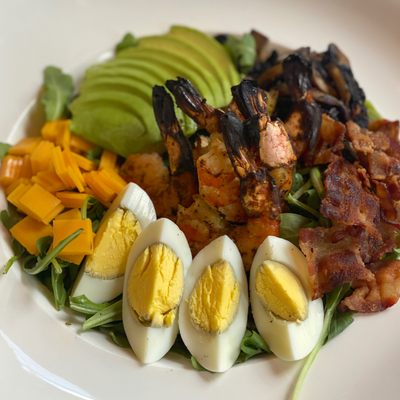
[[181, 163], [258, 192], [250, 99], [178, 146], [192, 104]]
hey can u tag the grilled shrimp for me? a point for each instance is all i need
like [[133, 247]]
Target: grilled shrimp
[[218, 184], [275, 149], [258, 193], [192, 104], [179, 149], [201, 224], [149, 172], [171, 187]]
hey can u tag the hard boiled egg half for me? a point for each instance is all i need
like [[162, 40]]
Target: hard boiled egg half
[[280, 294], [102, 276], [153, 288], [213, 313]]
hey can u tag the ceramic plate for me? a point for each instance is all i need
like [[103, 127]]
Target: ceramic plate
[[42, 354]]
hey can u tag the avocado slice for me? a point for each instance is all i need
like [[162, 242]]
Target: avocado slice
[[110, 127], [209, 47], [129, 69], [114, 108], [181, 66], [142, 109], [118, 83], [207, 68]]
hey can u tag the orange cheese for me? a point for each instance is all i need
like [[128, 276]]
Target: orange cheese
[[15, 195], [72, 199], [40, 204], [61, 168], [108, 160], [74, 213], [54, 130], [49, 180], [81, 245], [73, 259], [73, 170], [112, 180], [28, 231], [80, 145], [24, 146], [100, 189], [11, 169], [83, 162], [41, 156]]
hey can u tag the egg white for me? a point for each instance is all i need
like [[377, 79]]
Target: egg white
[[288, 340], [215, 352], [148, 343], [136, 200]]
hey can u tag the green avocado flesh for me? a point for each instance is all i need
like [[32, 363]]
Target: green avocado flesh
[[114, 106]]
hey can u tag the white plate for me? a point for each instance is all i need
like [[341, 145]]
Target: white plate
[[41, 356]]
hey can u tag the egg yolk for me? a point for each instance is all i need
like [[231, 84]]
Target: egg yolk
[[112, 243], [215, 298], [155, 286], [280, 291]]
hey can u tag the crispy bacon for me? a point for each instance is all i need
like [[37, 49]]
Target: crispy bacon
[[346, 200], [330, 141], [376, 294], [379, 152], [335, 256], [339, 254]]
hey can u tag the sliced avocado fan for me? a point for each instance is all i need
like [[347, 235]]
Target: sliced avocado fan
[[114, 105]]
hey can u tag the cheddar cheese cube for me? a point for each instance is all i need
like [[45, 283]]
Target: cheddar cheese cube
[[28, 231], [81, 245]]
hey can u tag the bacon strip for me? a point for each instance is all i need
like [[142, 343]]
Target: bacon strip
[[375, 295], [346, 200], [335, 256], [379, 153]]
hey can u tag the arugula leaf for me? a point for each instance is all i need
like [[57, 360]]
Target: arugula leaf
[[340, 321], [10, 216], [58, 89], [317, 181], [4, 147], [126, 42], [10, 263], [301, 190], [393, 255], [83, 305], [294, 202], [332, 301], [41, 263], [43, 244], [57, 283], [242, 51], [94, 210], [252, 345], [180, 348], [111, 313], [291, 224], [196, 365], [116, 333], [373, 114], [298, 182], [19, 251]]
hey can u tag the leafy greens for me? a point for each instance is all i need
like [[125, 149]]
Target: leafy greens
[[242, 51], [58, 89], [332, 300]]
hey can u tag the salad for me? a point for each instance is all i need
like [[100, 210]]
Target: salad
[[272, 171]]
